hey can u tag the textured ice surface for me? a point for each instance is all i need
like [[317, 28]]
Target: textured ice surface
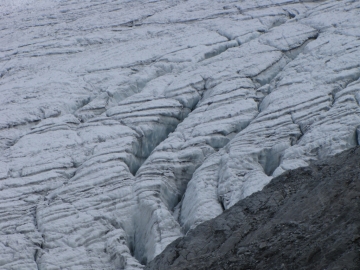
[[123, 124]]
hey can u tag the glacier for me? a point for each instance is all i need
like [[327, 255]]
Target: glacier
[[124, 124]]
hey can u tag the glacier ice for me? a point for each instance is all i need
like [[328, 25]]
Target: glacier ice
[[124, 124]]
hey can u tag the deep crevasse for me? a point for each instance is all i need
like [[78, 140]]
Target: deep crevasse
[[121, 132]]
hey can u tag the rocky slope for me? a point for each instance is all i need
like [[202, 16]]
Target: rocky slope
[[308, 218], [123, 124]]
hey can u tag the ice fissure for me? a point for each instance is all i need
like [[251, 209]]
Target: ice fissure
[[172, 185], [125, 124]]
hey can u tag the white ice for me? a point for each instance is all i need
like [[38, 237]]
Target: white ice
[[123, 124]]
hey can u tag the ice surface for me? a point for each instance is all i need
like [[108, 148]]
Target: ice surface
[[123, 124]]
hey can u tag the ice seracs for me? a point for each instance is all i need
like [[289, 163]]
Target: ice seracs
[[124, 124]]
